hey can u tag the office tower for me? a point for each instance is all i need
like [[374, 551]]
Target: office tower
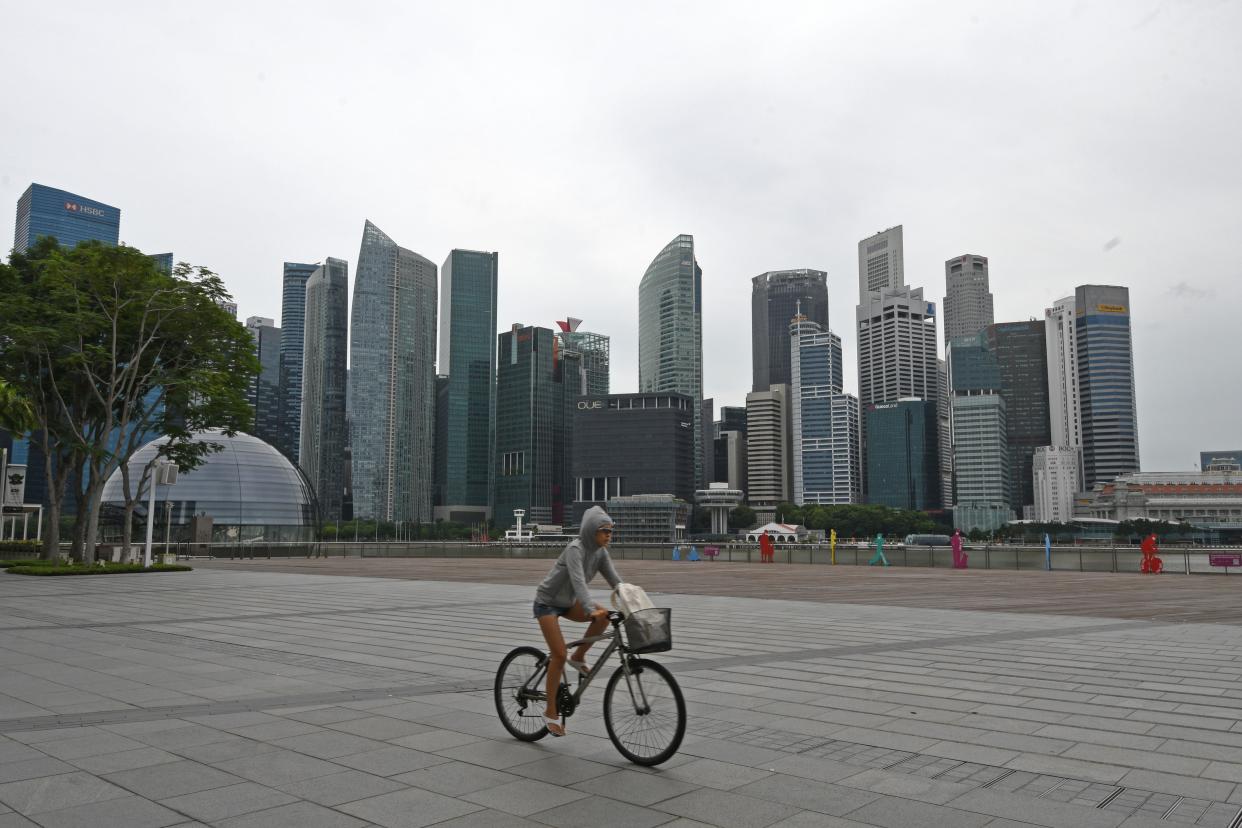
[[980, 450], [468, 282], [896, 357], [164, 261], [321, 452], [732, 418], [440, 461], [65, 216], [729, 447], [527, 402], [776, 298], [1055, 473], [1221, 461], [881, 265], [944, 418], [392, 380], [824, 421], [264, 391], [903, 469], [571, 384], [769, 472], [967, 300], [594, 349], [1061, 341], [1110, 445], [228, 306], [670, 332], [1022, 360], [292, 314], [658, 458]]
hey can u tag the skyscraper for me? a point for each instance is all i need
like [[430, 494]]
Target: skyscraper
[[264, 391], [292, 314], [775, 298], [468, 281], [392, 381], [896, 356], [769, 472], [1022, 360], [967, 300], [881, 262], [1055, 473], [980, 448], [527, 404], [903, 469], [670, 332], [594, 349], [326, 336], [1110, 445], [824, 420], [65, 216]]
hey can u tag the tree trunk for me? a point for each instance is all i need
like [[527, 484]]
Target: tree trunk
[[93, 497], [79, 525]]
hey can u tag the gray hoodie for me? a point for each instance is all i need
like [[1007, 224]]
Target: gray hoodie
[[567, 581]]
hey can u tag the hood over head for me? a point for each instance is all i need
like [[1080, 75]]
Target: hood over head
[[592, 520]]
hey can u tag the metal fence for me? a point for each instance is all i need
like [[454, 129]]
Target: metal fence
[[992, 556]]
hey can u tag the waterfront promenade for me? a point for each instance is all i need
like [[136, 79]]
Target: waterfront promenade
[[350, 692]]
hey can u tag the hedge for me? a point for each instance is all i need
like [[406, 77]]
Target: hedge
[[110, 569]]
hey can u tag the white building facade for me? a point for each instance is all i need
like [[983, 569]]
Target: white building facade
[[1056, 483]]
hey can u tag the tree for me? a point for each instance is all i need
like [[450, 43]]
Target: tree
[[110, 349], [741, 517]]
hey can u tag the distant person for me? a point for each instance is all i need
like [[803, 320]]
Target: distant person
[[959, 557], [1151, 564], [767, 549], [878, 557], [564, 592]]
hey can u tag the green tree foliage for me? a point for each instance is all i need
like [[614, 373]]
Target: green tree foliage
[[108, 348], [866, 521], [742, 517]]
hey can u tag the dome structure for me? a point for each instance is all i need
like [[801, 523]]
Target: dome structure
[[247, 488]]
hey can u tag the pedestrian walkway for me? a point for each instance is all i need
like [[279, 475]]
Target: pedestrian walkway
[[265, 698]]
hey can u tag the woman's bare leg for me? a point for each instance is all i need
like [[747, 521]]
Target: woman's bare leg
[[596, 627], [550, 625]]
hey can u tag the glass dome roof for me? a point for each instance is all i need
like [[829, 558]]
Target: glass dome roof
[[249, 490]]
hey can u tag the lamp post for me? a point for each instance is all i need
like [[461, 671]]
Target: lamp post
[[162, 472]]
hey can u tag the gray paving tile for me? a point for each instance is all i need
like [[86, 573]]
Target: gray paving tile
[[235, 747], [126, 812], [907, 786], [54, 793], [1180, 785], [229, 801], [456, 778], [172, 779], [125, 760], [714, 774], [297, 815], [12, 820], [1034, 811], [433, 740], [489, 819], [806, 819], [596, 811], [383, 728], [390, 761], [894, 812], [347, 786], [179, 737], [728, 809], [32, 769], [496, 755], [562, 770], [523, 797], [411, 808], [278, 767], [326, 744]]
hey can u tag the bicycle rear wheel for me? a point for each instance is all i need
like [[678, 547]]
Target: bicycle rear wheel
[[646, 716], [520, 712]]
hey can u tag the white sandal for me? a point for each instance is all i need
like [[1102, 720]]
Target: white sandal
[[580, 666], [550, 722]]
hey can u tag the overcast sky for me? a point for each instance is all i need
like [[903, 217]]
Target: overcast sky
[[1069, 142]]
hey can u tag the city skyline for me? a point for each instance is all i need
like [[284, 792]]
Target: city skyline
[[1102, 167]]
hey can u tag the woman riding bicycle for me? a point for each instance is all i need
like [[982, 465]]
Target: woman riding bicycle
[[564, 592]]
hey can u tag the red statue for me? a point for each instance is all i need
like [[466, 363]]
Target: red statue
[[1151, 564]]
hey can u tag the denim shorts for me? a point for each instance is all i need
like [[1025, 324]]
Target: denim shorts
[[544, 609]]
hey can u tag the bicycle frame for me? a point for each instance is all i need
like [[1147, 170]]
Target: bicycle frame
[[538, 679]]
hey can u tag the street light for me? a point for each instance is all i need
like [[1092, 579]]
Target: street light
[[162, 472]]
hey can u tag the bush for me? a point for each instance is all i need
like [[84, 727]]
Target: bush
[[19, 548], [107, 569], [25, 562]]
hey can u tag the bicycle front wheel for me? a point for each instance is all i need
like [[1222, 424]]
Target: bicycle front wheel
[[646, 714], [520, 709]]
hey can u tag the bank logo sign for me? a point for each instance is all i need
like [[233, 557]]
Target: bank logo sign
[[84, 209]]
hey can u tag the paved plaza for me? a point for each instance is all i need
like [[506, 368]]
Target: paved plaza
[[253, 694]]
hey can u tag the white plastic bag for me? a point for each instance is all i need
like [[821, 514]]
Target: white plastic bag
[[628, 599]]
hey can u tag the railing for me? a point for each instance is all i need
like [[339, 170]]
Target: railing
[[985, 556]]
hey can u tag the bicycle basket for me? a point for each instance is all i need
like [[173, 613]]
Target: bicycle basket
[[649, 630]]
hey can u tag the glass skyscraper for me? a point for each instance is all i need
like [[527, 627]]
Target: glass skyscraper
[[775, 299], [903, 463], [1105, 357], [1022, 358], [66, 216], [392, 381], [670, 333], [264, 391], [468, 281], [823, 419], [326, 335], [292, 316], [594, 349], [528, 402]]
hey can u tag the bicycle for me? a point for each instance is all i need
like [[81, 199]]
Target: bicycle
[[646, 723]]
